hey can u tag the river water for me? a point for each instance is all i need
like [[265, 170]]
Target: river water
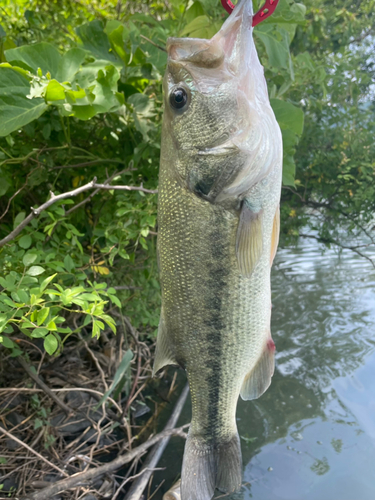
[[311, 436]]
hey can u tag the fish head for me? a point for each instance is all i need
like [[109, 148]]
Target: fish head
[[215, 103]]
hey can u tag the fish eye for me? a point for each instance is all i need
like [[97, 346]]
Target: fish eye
[[178, 98]]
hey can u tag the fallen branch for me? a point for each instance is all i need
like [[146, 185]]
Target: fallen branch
[[152, 460], [90, 185], [44, 387], [126, 480], [86, 477]]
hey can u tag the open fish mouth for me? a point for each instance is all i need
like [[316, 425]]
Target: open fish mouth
[[231, 45]]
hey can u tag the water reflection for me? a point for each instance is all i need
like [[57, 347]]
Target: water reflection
[[312, 434]]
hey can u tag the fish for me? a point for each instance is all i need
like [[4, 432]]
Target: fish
[[174, 493], [218, 229]]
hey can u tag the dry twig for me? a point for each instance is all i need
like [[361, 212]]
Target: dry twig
[[11, 436]]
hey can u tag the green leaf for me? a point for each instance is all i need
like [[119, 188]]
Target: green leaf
[[194, 11], [38, 423], [54, 91], [52, 326], [42, 315], [102, 96], [35, 270], [201, 27], [69, 263], [115, 300], [24, 296], [276, 43], [50, 344], [46, 282], [38, 55], [95, 40], [18, 219], [288, 115], [5, 185], [3, 323], [289, 171], [15, 109], [115, 37], [90, 297], [70, 64], [39, 333], [124, 365], [15, 297], [7, 342], [25, 241]]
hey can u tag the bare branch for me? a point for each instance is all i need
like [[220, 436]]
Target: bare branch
[[37, 211], [126, 188], [353, 248], [86, 200], [90, 185]]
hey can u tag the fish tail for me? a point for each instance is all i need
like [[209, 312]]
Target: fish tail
[[206, 467]]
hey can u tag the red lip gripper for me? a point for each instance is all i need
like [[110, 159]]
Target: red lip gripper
[[266, 11]]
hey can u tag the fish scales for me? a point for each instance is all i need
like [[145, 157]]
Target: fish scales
[[219, 190]]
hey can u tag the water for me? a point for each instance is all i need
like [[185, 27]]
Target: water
[[312, 434]]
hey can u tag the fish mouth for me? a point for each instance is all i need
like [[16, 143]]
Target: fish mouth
[[230, 44]]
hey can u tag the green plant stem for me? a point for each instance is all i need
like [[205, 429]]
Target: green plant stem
[[67, 138]]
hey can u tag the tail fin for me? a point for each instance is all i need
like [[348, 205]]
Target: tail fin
[[207, 467]]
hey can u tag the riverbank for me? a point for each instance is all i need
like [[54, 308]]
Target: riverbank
[[63, 416]]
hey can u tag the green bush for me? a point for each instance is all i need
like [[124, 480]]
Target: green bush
[[81, 103]]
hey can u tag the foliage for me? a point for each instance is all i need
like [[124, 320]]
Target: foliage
[[80, 98], [335, 166]]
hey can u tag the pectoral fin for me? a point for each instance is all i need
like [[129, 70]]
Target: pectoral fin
[[258, 379], [275, 234], [249, 244], [164, 354]]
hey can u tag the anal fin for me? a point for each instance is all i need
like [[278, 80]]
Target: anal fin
[[258, 379], [275, 234], [249, 244], [164, 354]]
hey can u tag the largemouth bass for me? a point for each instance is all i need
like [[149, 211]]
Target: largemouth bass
[[218, 218]]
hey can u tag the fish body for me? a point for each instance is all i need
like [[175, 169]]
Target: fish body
[[218, 225]]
